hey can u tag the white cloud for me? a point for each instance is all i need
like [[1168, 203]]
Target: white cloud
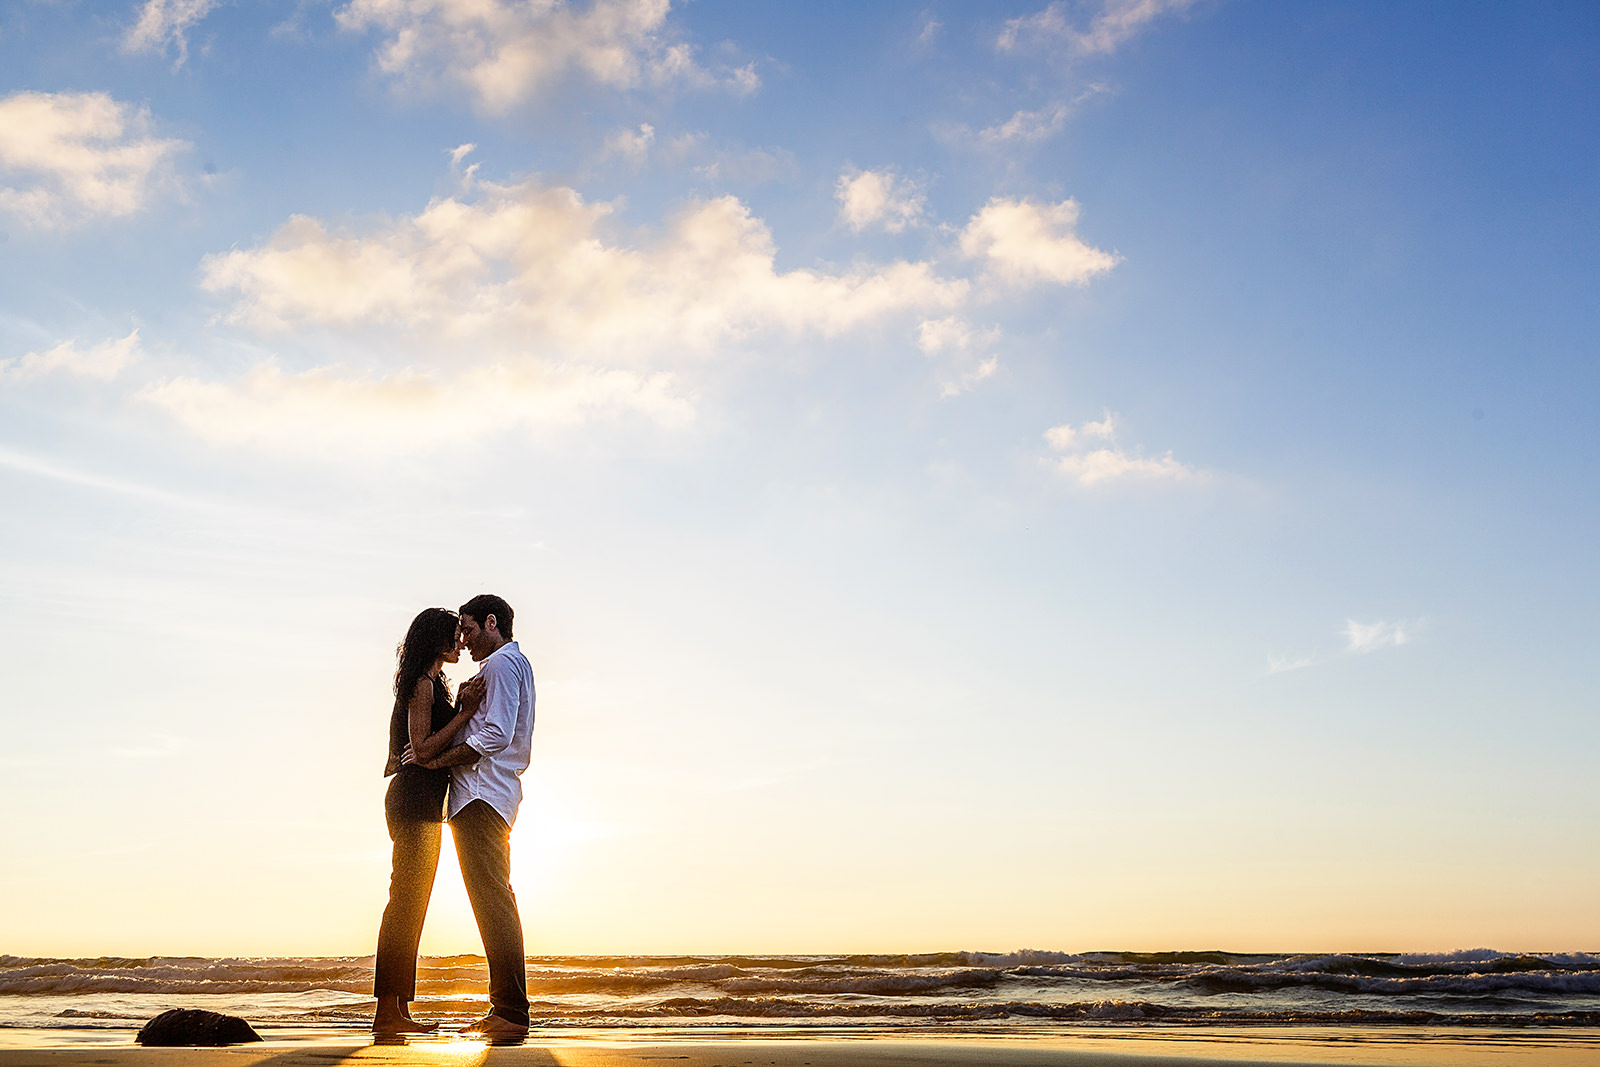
[[69, 157], [1024, 243], [1064, 436], [1371, 636], [878, 198], [164, 22], [952, 334], [1114, 22], [1106, 428], [1027, 127], [101, 362], [929, 29], [1060, 438], [503, 52], [1109, 463], [313, 411], [1113, 464], [520, 268], [543, 303], [1283, 664]]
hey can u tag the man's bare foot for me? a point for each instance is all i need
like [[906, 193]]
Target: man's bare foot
[[492, 1027], [497, 1029]]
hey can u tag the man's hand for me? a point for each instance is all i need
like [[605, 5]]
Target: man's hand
[[472, 691], [455, 756]]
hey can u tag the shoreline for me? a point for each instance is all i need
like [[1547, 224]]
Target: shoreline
[[1380, 1046]]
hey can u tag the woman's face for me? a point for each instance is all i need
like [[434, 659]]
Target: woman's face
[[452, 651]]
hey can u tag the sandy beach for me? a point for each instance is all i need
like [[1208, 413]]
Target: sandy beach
[[1379, 1047]]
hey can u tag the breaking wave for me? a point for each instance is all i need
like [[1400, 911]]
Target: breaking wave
[[1470, 987]]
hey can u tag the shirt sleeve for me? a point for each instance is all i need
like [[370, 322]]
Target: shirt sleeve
[[491, 729]]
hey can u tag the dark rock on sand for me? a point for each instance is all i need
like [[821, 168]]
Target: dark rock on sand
[[192, 1026]]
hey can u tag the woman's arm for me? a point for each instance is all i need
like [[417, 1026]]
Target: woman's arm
[[419, 716]]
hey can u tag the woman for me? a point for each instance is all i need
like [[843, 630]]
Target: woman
[[424, 718]]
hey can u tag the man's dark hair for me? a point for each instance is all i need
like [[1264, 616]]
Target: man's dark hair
[[483, 605]]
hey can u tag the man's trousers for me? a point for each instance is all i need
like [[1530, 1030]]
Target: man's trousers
[[483, 845]]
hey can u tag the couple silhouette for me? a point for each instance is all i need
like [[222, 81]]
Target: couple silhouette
[[459, 762]]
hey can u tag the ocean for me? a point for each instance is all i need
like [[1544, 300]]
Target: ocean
[[1008, 992]]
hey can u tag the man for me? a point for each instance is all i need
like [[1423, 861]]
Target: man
[[486, 765]]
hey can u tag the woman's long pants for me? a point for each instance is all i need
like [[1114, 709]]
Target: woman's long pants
[[416, 858]]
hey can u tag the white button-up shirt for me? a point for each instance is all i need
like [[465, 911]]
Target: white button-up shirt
[[502, 730]]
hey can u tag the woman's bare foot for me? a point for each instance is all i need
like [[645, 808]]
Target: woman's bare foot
[[401, 1025], [393, 1018], [390, 1027]]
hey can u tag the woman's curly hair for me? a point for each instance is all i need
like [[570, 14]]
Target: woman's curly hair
[[431, 635]]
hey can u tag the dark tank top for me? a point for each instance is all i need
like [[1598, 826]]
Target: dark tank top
[[416, 794]]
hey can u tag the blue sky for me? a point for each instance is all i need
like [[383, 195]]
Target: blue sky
[[1070, 475]]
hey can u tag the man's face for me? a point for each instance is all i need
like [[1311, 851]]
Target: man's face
[[478, 640]]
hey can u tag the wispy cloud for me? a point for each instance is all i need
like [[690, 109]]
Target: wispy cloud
[[958, 348], [1360, 638], [166, 22], [716, 165], [1027, 127], [1061, 31], [1092, 465], [966, 381], [101, 362], [44, 468], [1370, 636], [731, 165], [66, 158], [1112, 23], [632, 144], [1066, 436], [1113, 464], [503, 52], [313, 411], [953, 334]]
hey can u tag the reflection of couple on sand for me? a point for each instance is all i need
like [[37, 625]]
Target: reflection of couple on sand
[[472, 753]]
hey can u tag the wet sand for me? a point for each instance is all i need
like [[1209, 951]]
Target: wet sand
[[1142, 1047]]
